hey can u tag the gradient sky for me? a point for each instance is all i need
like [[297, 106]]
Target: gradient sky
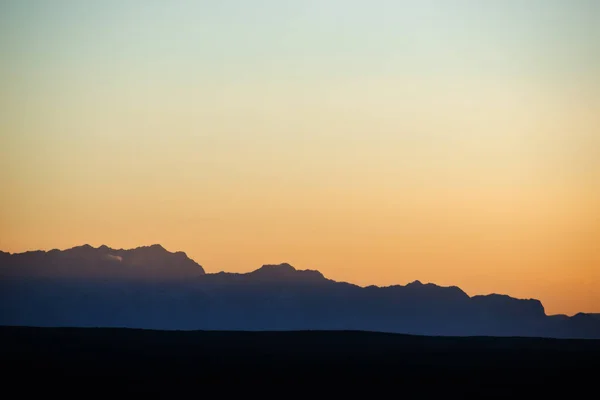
[[380, 142]]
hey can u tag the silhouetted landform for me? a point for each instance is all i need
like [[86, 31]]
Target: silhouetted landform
[[152, 288], [109, 362]]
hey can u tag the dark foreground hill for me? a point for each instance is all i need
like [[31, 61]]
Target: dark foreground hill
[[152, 288], [97, 362]]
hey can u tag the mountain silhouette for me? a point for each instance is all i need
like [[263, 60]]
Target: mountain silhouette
[[150, 287], [143, 263]]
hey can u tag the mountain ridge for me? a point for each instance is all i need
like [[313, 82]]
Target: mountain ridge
[[282, 270], [151, 287], [118, 262]]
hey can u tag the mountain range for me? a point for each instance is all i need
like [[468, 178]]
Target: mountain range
[[150, 287]]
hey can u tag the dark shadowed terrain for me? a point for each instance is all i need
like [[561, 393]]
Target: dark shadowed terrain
[[100, 322], [119, 362]]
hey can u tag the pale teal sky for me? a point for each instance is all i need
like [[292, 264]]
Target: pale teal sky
[[379, 60], [237, 39], [392, 78], [276, 127]]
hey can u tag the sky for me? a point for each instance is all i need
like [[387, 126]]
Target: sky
[[380, 142]]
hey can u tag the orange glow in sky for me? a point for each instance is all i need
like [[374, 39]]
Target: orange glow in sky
[[460, 146]]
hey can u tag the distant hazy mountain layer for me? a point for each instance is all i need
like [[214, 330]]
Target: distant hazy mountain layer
[[150, 287]]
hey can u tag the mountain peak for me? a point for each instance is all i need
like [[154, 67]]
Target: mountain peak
[[283, 269], [277, 267], [157, 256], [511, 305], [82, 247], [153, 247], [85, 261], [285, 272]]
